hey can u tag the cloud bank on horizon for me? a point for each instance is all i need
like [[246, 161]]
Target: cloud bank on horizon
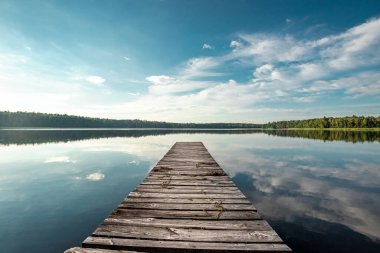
[[298, 70]]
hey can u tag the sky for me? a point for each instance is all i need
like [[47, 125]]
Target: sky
[[191, 61]]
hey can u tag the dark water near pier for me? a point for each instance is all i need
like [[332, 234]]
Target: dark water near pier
[[320, 190]]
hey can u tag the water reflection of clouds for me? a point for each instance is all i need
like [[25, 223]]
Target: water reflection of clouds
[[59, 159], [288, 185], [146, 148], [96, 176]]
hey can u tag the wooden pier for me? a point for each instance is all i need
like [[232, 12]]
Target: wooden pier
[[187, 203]]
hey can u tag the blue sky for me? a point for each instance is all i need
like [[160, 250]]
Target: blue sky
[[191, 61]]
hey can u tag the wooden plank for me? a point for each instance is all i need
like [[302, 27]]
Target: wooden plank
[[216, 206], [187, 177], [188, 165], [194, 162], [187, 234], [257, 225], [186, 187], [169, 189], [192, 172], [89, 250], [164, 246], [178, 167], [189, 182], [189, 156], [186, 170], [237, 195], [178, 214], [184, 201]]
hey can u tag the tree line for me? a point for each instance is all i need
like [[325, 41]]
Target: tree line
[[328, 122], [326, 135], [28, 119], [31, 119]]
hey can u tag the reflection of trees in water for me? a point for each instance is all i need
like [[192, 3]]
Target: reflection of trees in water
[[42, 136], [327, 135]]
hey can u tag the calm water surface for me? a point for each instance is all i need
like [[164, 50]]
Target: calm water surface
[[319, 190]]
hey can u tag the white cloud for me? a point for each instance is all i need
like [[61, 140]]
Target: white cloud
[[310, 71], [189, 86], [196, 64], [301, 65], [127, 58], [263, 72], [161, 80], [165, 85], [97, 176], [358, 46], [96, 80], [305, 99], [261, 49], [212, 102], [365, 83], [192, 69], [200, 67], [207, 46], [235, 43]]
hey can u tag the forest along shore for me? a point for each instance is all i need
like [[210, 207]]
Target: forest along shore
[[45, 120]]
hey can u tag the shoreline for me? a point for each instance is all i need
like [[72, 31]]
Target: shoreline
[[188, 129]]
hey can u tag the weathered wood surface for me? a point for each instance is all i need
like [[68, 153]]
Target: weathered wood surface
[[218, 214], [89, 250], [182, 246], [187, 206], [256, 225], [187, 203]]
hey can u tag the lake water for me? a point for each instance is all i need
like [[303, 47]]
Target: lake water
[[319, 190]]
